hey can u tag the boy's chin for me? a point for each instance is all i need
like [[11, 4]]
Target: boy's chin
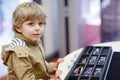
[[35, 41]]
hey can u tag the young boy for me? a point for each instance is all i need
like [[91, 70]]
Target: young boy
[[25, 56]]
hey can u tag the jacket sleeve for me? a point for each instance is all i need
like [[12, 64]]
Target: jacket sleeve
[[50, 67], [21, 65]]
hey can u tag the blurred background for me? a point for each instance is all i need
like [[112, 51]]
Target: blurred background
[[71, 25]]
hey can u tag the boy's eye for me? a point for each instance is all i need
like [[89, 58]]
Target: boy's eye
[[30, 23], [40, 23]]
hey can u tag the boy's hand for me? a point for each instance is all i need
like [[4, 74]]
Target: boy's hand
[[57, 75], [58, 72], [57, 63]]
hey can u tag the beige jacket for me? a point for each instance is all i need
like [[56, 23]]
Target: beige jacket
[[26, 61]]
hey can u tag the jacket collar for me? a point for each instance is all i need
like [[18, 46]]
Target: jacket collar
[[27, 41]]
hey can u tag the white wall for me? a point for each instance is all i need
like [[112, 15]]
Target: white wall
[[51, 38]]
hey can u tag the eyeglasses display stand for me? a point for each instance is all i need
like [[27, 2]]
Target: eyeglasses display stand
[[92, 64]]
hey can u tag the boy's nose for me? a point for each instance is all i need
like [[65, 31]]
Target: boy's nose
[[37, 26]]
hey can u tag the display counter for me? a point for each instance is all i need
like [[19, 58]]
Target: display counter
[[69, 60]]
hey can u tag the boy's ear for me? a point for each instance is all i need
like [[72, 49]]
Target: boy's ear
[[18, 30]]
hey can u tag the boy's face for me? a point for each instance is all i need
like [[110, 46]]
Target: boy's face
[[32, 30]]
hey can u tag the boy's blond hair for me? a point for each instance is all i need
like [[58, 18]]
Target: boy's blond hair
[[27, 11]]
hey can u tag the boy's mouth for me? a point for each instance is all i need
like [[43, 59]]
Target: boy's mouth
[[36, 35]]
